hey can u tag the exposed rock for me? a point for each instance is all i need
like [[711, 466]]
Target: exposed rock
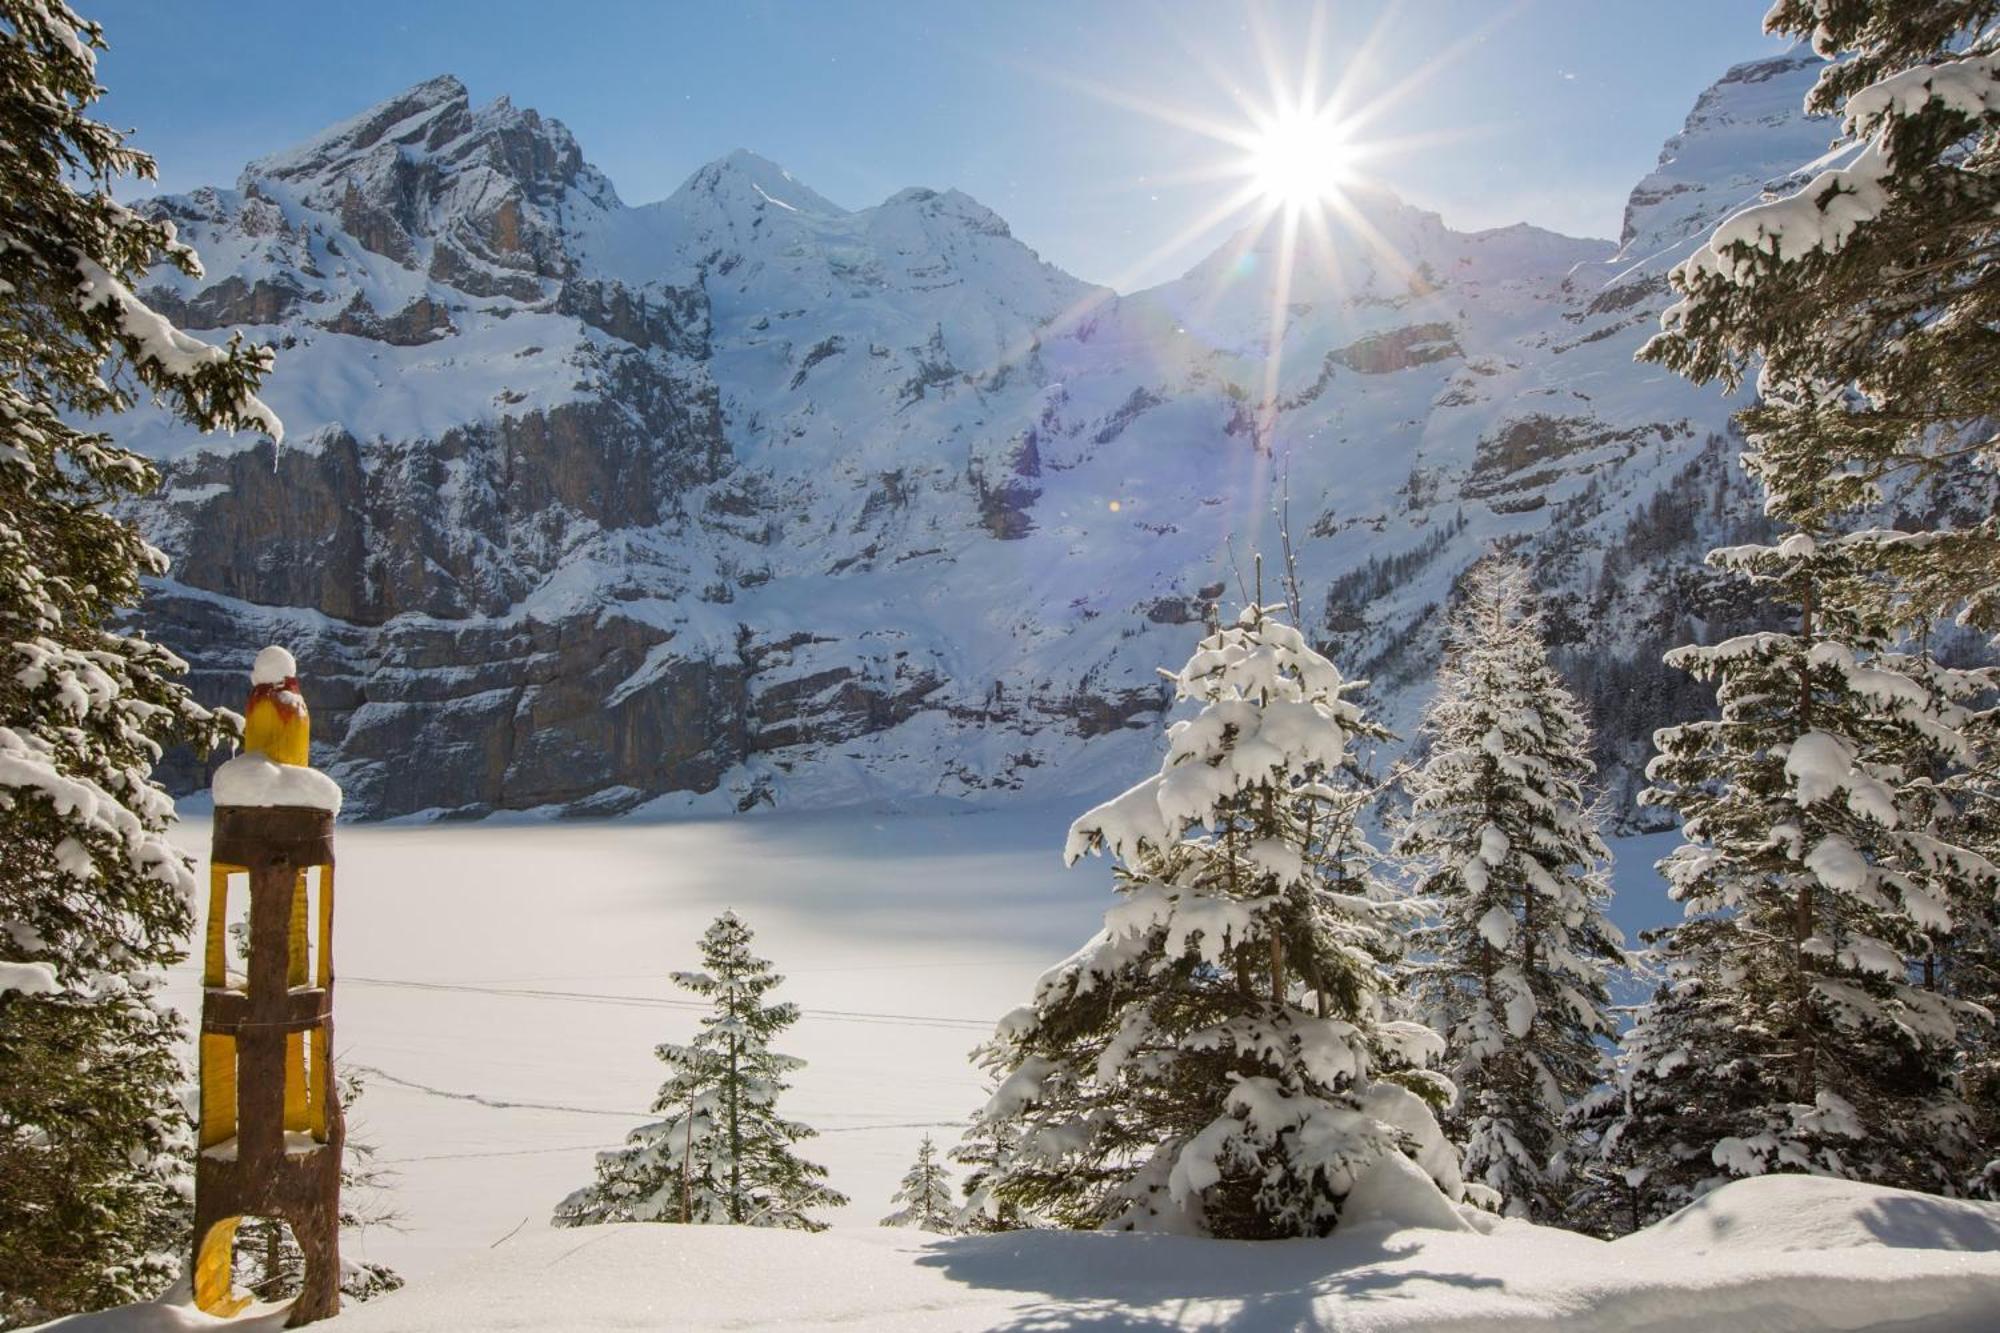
[[229, 303], [1399, 349], [422, 320]]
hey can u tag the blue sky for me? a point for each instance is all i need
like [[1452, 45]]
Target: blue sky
[[1546, 111]]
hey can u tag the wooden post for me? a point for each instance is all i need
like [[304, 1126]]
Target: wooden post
[[255, 1037]]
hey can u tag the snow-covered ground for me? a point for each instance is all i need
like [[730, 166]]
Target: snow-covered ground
[[503, 986], [1760, 1256], [508, 983], [1766, 1255]]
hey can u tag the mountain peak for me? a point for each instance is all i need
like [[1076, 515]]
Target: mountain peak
[[741, 177], [957, 205], [410, 115], [1748, 129], [434, 121], [420, 176]]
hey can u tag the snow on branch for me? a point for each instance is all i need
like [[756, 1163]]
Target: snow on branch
[[1824, 215]]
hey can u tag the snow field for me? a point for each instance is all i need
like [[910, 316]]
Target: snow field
[[1800, 1254], [502, 988]]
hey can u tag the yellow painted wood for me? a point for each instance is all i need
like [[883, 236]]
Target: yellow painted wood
[[321, 1088], [213, 1290], [268, 730], [322, 1091], [325, 926], [295, 1081], [218, 1088], [215, 963], [297, 1084], [298, 962]]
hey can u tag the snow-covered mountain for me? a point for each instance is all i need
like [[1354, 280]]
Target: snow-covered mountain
[[742, 496]]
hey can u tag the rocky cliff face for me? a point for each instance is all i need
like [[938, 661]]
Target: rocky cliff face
[[744, 497]]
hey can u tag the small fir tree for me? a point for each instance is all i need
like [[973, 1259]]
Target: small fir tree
[[94, 900], [986, 1150], [1644, 1140], [925, 1194], [1215, 1059], [723, 1153], [1508, 859]]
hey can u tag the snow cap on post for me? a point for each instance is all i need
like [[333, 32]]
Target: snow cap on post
[[274, 666]]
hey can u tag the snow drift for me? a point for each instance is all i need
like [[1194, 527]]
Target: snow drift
[[1778, 1253]]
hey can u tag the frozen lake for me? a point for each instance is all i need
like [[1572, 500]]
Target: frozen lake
[[505, 984]]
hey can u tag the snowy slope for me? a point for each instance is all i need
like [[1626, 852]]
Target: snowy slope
[[743, 497], [1902, 1261], [1744, 135]]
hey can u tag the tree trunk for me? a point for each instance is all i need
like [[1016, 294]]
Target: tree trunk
[[1270, 830], [687, 1167], [1806, 1075], [1528, 940], [274, 1260], [735, 1130]]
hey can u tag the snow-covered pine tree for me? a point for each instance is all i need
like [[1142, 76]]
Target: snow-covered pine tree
[[1867, 300], [269, 1263], [1793, 1034], [985, 1150], [723, 1154], [94, 900], [1967, 963], [1213, 1060], [1640, 1139], [1874, 281], [1505, 853], [925, 1194], [1957, 791]]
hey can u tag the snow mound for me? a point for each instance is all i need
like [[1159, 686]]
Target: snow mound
[[259, 780], [1802, 1214], [1396, 1190], [1895, 1260], [173, 1313], [28, 978]]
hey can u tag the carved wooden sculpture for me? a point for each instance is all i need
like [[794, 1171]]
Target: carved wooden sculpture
[[271, 1134]]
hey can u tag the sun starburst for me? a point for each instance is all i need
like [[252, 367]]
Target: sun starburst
[[1302, 159], [1298, 163]]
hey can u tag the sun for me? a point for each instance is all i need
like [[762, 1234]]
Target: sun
[[1299, 159]]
